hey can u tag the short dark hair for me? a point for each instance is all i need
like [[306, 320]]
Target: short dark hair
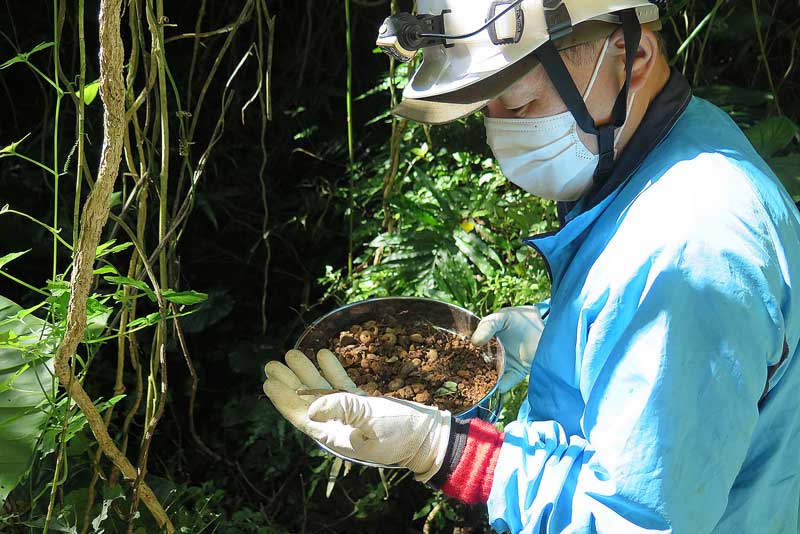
[[587, 52]]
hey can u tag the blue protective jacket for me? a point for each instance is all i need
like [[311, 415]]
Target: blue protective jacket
[[665, 392]]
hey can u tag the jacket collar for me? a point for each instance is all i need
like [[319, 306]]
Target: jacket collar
[[661, 116]]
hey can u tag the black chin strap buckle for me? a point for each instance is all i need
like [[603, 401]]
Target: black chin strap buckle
[[556, 15]]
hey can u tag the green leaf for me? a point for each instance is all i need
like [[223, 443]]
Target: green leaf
[[116, 200], [771, 135], [22, 57], [8, 258], [149, 319], [90, 92], [420, 152], [138, 284], [425, 214], [788, 170], [454, 279], [448, 388], [77, 422], [184, 297], [109, 248], [26, 373], [105, 269], [40, 47], [477, 251], [11, 149], [424, 511]]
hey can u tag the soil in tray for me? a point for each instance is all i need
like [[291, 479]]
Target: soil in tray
[[416, 361]]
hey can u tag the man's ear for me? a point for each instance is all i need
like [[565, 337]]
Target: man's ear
[[646, 57]]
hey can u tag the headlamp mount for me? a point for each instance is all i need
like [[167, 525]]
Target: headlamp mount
[[401, 35]]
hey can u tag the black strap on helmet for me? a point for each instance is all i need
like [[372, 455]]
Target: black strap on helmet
[[554, 66]]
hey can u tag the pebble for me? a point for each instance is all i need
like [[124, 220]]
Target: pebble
[[405, 393], [396, 384], [422, 397], [406, 369], [365, 337]]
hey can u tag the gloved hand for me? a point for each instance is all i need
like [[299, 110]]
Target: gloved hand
[[381, 430], [519, 329]]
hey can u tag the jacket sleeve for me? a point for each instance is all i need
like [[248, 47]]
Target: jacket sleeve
[[671, 386]]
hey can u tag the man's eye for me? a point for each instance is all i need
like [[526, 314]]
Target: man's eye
[[519, 110]]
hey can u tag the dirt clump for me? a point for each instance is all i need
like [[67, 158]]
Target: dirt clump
[[416, 361]]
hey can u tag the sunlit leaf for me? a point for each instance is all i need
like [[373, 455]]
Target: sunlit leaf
[[8, 258], [477, 251], [90, 92], [138, 284], [11, 149], [149, 319], [184, 297], [105, 269], [110, 248]]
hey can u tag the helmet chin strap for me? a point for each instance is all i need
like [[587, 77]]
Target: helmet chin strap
[[554, 66]]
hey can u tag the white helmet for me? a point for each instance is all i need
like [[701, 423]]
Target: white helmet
[[459, 75], [475, 49]]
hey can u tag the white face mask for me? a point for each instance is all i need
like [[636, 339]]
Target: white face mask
[[545, 156]]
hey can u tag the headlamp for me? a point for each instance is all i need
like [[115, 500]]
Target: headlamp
[[401, 35]]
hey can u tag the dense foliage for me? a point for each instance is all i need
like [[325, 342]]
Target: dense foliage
[[240, 191]]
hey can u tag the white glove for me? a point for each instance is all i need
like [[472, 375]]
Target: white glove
[[374, 429], [519, 330]]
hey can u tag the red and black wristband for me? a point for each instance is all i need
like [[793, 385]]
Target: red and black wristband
[[468, 469]]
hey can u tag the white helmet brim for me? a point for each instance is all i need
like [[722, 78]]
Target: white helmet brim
[[460, 77]]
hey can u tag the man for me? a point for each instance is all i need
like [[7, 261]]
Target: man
[[663, 395]]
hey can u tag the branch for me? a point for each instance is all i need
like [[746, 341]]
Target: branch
[[93, 219]]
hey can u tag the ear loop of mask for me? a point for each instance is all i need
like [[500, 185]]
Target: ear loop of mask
[[596, 69], [589, 87]]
